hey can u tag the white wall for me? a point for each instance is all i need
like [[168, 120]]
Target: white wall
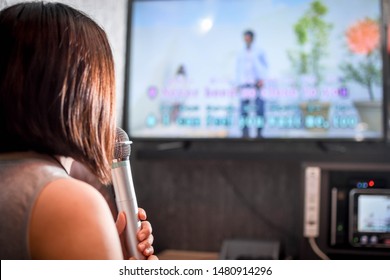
[[111, 15]]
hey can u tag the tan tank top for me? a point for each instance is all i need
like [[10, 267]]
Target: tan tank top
[[22, 178]]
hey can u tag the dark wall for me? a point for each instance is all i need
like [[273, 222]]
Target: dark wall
[[199, 196]]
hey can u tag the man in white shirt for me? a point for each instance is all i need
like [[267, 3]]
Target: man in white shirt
[[250, 73]]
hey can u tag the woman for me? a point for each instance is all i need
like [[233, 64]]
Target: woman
[[57, 101]]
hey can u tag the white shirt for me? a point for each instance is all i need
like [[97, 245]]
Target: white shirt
[[251, 66]]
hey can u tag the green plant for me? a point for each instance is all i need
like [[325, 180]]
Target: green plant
[[311, 32]]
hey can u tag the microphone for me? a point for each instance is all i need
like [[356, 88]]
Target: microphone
[[125, 197]]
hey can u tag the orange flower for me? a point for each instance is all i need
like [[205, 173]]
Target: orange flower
[[363, 37]]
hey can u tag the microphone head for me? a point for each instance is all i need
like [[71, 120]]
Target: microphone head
[[122, 149]]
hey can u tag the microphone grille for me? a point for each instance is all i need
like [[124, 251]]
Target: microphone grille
[[122, 147]]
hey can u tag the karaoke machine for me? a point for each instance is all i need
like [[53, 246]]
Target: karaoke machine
[[346, 211]]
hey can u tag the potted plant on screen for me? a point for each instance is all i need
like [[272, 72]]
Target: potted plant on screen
[[311, 32], [363, 70]]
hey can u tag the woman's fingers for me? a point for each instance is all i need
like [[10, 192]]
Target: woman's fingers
[[145, 232], [142, 214]]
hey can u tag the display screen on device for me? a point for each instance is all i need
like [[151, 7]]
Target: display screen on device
[[373, 213], [255, 69]]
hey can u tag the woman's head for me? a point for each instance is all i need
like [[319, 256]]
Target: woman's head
[[57, 87]]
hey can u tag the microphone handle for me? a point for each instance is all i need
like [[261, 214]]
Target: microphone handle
[[126, 201]]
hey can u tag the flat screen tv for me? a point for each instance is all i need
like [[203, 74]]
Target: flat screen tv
[[269, 69]]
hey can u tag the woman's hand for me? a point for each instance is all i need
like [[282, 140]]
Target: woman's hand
[[144, 235]]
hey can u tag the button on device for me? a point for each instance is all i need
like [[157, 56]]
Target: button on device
[[374, 239], [364, 239]]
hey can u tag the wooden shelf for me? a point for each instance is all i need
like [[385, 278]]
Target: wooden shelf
[[187, 255]]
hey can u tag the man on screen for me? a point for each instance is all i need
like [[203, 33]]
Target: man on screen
[[250, 74]]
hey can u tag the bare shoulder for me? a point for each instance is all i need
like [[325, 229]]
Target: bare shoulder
[[71, 220]]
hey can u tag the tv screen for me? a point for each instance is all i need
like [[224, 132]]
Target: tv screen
[[298, 69]]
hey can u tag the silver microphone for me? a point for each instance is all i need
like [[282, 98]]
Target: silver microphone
[[125, 197]]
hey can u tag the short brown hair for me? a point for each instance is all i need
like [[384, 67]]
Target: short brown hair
[[57, 85]]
